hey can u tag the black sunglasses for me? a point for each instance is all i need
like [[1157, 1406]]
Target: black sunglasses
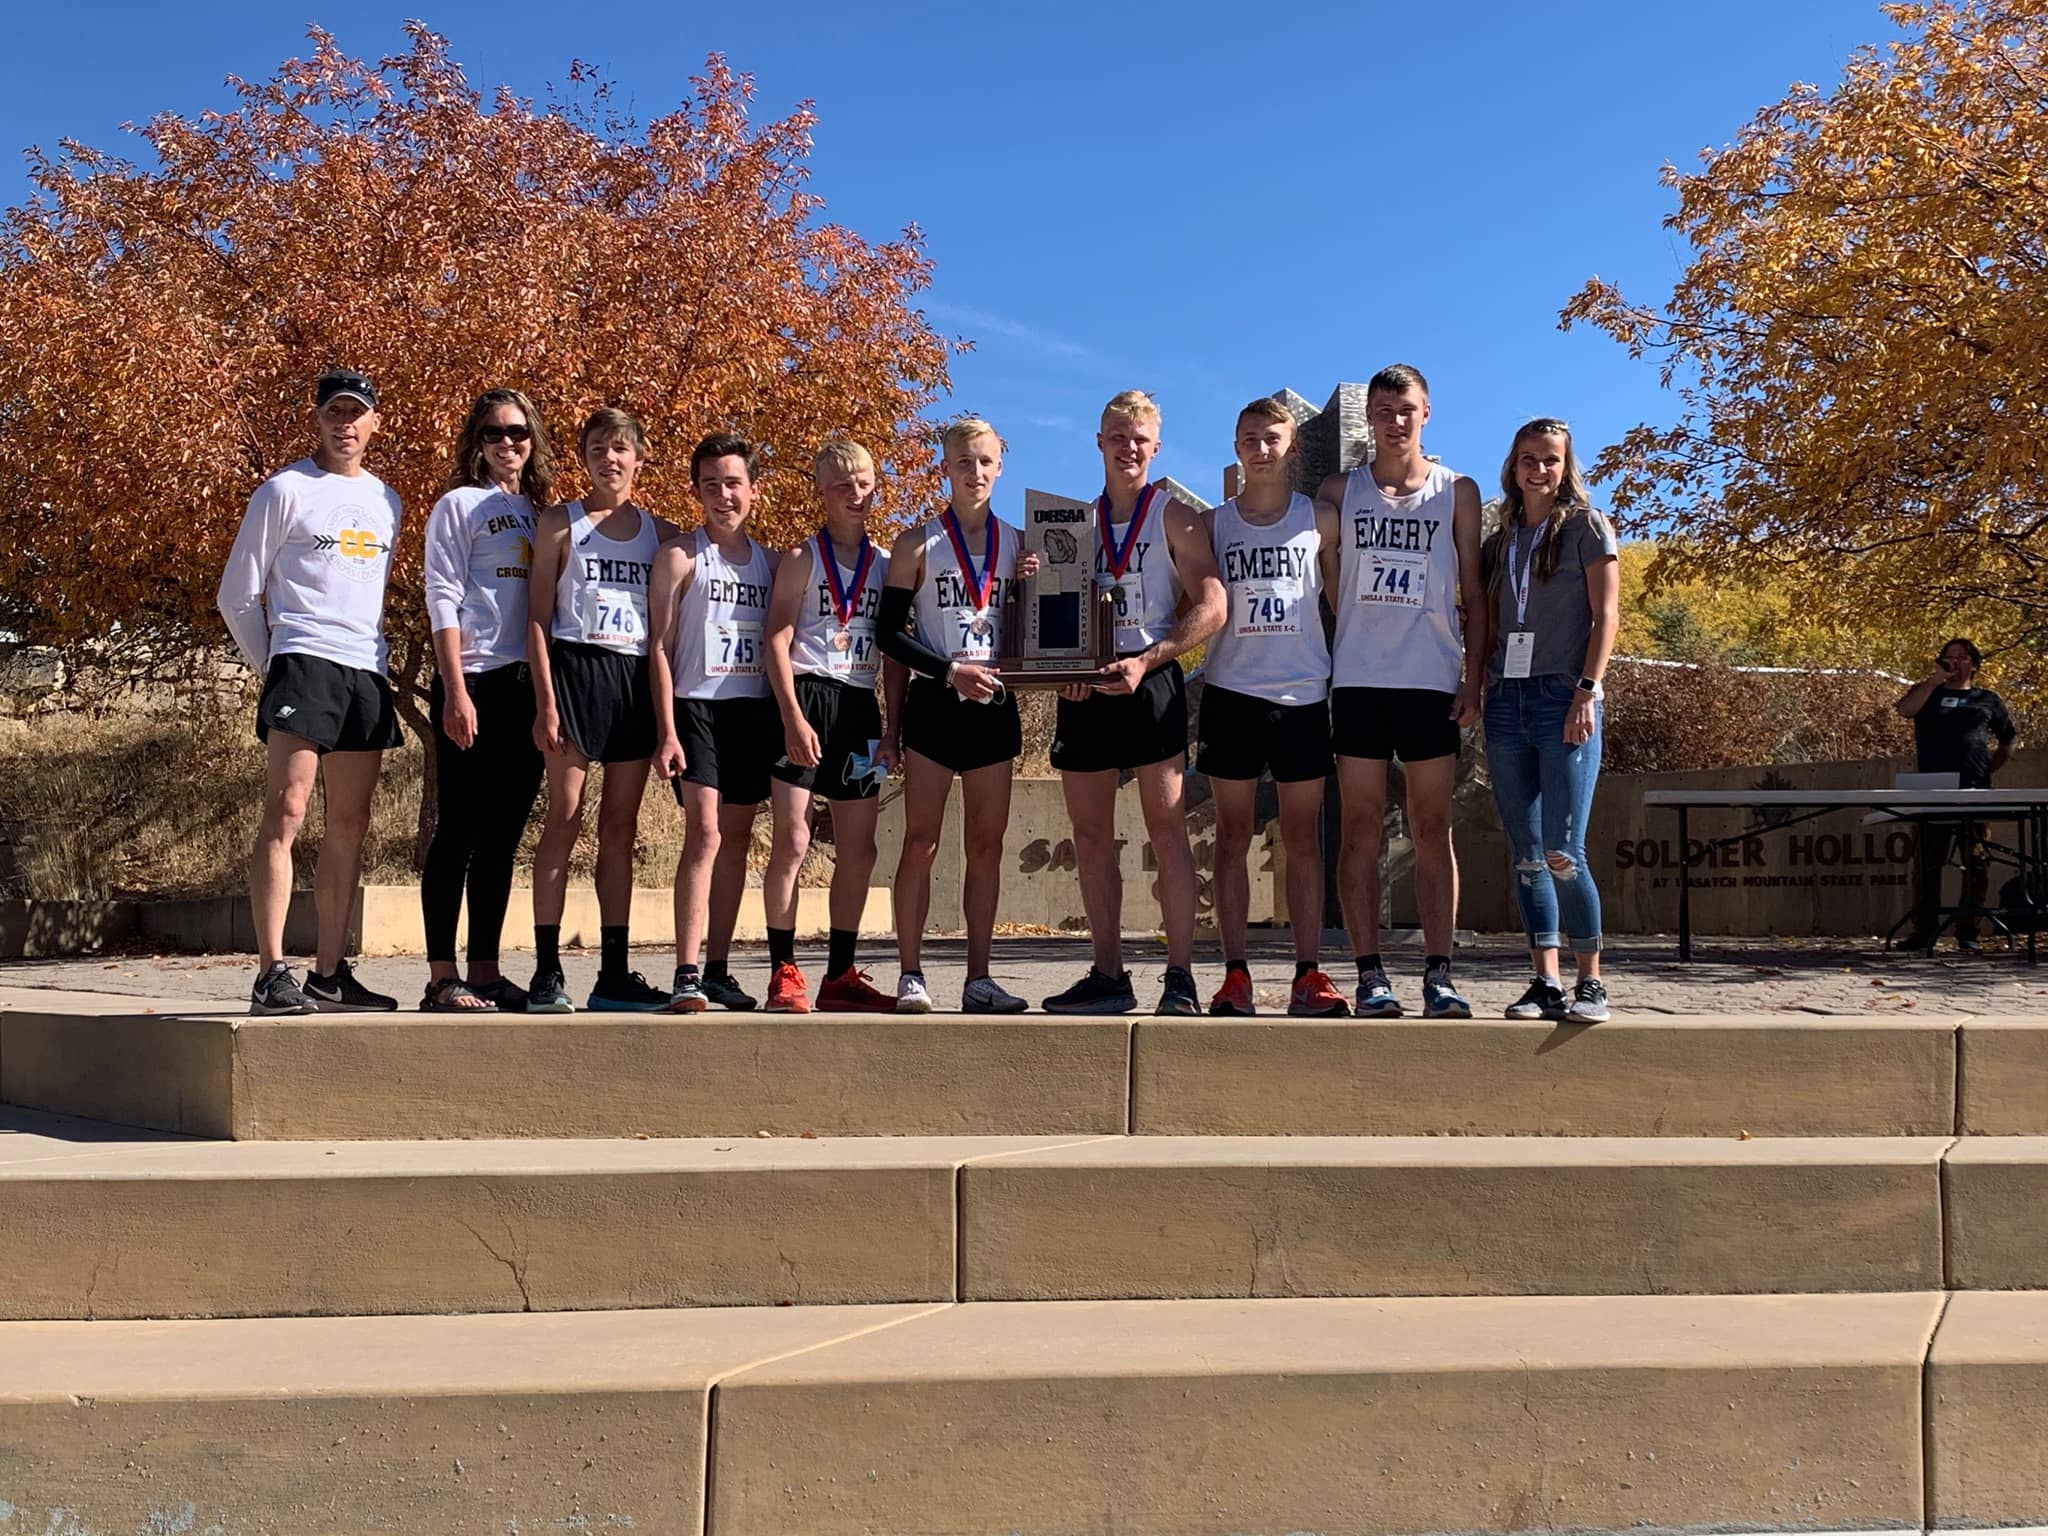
[[505, 434]]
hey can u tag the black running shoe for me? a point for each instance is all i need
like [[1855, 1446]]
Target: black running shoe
[[342, 993], [1095, 993], [721, 989], [1544, 1000], [275, 992], [548, 993], [629, 993], [1179, 998]]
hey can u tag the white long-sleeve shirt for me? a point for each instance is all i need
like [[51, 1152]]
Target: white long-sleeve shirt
[[306, 575], [479, 549]]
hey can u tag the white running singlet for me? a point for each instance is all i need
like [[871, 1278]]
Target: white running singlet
[[1397, 597], [1150, 584], [722, 624], [820, 645], [479, 550], [1271, 646], [948, 619], [601, 590]]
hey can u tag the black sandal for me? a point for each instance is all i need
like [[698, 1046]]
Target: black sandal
[[442, 992]]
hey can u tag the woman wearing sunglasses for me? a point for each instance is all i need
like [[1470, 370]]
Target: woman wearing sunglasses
[[487, 769]]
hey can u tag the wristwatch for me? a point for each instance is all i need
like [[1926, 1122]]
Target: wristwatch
[[1591, 685]]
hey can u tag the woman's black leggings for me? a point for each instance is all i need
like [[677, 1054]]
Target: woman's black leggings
[[486, 792]]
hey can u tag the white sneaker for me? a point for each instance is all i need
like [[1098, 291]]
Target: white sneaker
[[984, 995], [912, 995]]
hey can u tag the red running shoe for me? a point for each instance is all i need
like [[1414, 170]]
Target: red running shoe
[[786, 990], [1315, 998], [1234, 998], [850, 993]]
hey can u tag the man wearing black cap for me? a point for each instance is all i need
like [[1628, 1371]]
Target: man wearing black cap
[[303, 596]]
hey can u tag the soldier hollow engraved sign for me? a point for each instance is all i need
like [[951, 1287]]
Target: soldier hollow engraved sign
[[1061, 626]]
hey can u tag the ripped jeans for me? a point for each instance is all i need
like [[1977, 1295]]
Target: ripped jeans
[[1544, 788]]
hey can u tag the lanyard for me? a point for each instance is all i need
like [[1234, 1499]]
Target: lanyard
[[983, 585], [843, 600], [1117, 556], [1520, 585]]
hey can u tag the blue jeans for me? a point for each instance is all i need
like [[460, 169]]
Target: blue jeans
[[1544, 788]]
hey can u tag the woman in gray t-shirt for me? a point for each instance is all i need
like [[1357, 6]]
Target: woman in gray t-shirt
[[1554, 580]]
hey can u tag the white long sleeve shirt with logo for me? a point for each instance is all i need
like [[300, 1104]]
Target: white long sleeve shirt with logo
[[479, 549], [307, 571]]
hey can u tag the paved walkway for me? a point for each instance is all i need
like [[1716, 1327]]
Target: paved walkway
[[1732, 976]]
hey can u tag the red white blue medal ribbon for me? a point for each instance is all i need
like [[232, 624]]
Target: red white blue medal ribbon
[[981, 585], [843, 597], [1116, 557]]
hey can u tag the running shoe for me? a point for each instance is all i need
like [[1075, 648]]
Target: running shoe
[[548, 993], [1179, 998], [687, 995], [629, 993], [504, 991], [725, 992], [275, 992], [1233, 1000], [1589, 1001], [342, 993], [1315, 996], [1544, 1000], [982, 994], [912, 995], [1095, 993], [786, 990], [851, 992], [1440, 1000], [1376, 998]]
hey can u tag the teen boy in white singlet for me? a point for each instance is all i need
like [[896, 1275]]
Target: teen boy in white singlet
[[303, 596], [1153, 554], [1266, 704], [718, 724], [1406, 677], [587, 640], [823, 660]]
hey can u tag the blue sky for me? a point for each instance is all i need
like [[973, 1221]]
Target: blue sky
[[1196, 199]]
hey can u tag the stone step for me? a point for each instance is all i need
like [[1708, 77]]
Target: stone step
[[396, 1076], [158, 1226], [1342, 1417]]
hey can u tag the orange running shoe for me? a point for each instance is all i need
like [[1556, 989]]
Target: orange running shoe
[[786, 990], [850, 993], [1314, 997], [1234, 998]]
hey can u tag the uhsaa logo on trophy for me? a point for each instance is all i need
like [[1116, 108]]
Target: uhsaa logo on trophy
[[1061, 625]]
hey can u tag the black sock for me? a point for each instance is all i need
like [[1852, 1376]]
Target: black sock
[[1236, 965], [919, 974], [839, 952], [1367, 964], [781, 946], [547, 940], [1431, 962], [687, 970], [612, 950], [717, 970], [1302, 968]]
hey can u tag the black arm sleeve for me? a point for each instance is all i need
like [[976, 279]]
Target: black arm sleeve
[[892, 632]]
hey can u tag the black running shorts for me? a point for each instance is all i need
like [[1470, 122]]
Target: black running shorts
[[1241, 736], [729, 745], [958, 733], [847, 719], [1124, 730], [1413, 724], [604, 701], [336, 708]]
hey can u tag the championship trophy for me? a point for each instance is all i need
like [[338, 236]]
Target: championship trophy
[[1059, 626]]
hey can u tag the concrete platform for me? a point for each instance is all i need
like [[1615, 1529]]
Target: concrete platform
[[1771, 1075], [400, 1075], [176, 1228], [1997, 1193], [2004, 1077], [1162, 1217], [1987, 1407]]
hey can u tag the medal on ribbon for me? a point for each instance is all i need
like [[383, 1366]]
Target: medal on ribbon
[[1116, 557], [845, 597], [983, 583]]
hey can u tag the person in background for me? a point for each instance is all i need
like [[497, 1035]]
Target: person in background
[[1553, 581], [1962, 729], [487, 769]]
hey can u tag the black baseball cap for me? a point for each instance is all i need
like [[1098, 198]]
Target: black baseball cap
[[344, 384]]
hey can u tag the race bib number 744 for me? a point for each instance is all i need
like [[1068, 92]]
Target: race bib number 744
[[1393, 576]]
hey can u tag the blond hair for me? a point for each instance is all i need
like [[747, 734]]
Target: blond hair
[[1132, 405], [961, 428], [842, 454]]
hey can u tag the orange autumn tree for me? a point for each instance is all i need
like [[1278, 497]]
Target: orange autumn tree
[[1857, 345], [161, 324]]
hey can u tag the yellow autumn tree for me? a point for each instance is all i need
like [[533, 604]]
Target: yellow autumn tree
[[161, 324], [1856, 345]]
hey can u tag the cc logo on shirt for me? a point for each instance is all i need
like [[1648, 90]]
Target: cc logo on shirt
[[351, 550]]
